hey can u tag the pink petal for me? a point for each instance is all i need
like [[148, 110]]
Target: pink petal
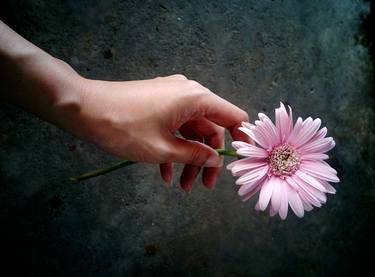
[[290, 118], [308, 130], [262, 116], [328, 187], [272, 211], [310, 192], [276, 195], [271, 129], [310, 180], [265, 193], [296, 130], [314, 156], [262, 129], [239, 144], [283, 211], [318, 146], [261, 139], [309, 199], [255, 136], [244, 161], [247, 125], [249, 187], [320, 171], [294, 201], [305, 202], [289, 121], [253, 175], [252, 151], [321, 133], [313, 192], [292, 183], [328, 167], [240, 167], [282, 122], [299, 130], [237, 162], [247, 131], [251, 193]]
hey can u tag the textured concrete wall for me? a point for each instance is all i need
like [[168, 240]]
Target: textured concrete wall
[[311, 54]]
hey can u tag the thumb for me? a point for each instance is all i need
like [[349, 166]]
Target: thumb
[[193, 152]]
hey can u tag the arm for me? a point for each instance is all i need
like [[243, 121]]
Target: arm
[[135, 120], [33, 79]]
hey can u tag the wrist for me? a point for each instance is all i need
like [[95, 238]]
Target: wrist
[[50, 88], [65, 93]]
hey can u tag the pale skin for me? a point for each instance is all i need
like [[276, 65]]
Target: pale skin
[[134, 120]]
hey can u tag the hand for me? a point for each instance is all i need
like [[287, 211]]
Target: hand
[[138, 120], [135, 120]]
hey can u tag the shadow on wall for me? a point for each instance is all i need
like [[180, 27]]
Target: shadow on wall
[[365, 38], [367, 28]]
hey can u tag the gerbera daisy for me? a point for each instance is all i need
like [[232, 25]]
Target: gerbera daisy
[[287, 165]]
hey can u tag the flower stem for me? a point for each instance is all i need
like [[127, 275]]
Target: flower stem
[[229, 153], [101, 171], [124, 163]]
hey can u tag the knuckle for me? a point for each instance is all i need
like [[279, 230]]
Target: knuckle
[[196, 156], [193, 84], [164, 152], [202, 97], [201, 94], [195, 96], [181, 76], [221, 132]]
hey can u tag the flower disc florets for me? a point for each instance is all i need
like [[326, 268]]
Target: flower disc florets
[[283, 160]]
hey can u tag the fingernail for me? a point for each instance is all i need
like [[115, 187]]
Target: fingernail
[[187, 187], [168, 183], [214, 161], [210, 184], [168, 180]]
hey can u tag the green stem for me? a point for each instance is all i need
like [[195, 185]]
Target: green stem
[[124, 163], [101, 171], [229, 153]]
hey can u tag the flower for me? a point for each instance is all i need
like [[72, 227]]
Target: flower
[[287, 166]]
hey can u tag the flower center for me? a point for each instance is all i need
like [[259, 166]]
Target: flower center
[[283, 160]]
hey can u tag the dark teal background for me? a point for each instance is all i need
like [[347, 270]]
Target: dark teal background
[[313, 55]]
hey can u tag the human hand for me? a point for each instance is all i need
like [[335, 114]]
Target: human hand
[[138, 120]]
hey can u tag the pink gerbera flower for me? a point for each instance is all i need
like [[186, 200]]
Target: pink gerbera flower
[[288, 164]]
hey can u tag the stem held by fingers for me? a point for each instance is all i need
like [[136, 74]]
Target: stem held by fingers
[[229, 153], [125, 163]]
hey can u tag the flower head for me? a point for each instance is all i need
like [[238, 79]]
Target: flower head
[[287, 165]]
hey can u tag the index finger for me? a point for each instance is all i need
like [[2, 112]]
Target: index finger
[[225, 114]]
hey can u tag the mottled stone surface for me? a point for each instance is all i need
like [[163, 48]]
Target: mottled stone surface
[[311, 54]]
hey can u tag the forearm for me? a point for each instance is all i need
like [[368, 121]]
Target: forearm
[[33, 79]]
